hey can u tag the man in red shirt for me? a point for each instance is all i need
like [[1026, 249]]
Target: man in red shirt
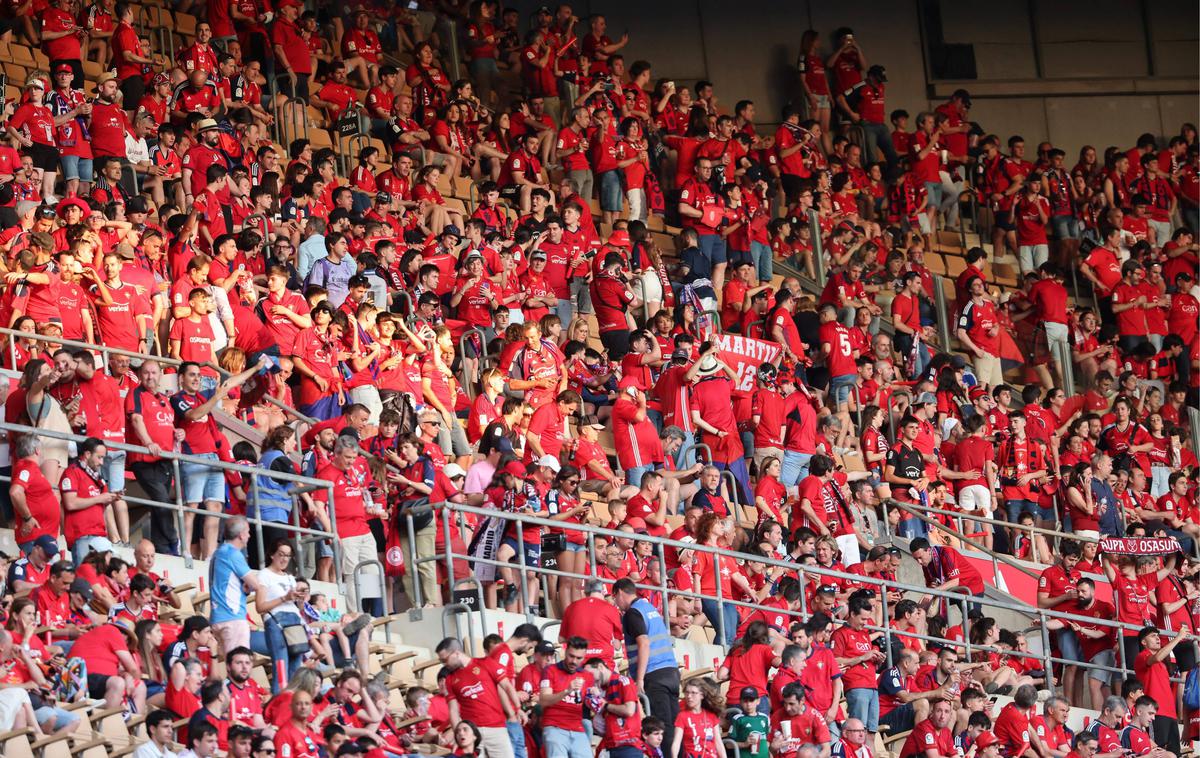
[[614, 303], [351, 478], [1012, 725], [858, 658], [979, 331], [945, 569], [521, 173], [932, 737], [563, 687], [702, 209], [471, 688], [109, 123], [1130, 305], [295, 739], [572, 150], [1030, 214], [85, 499], [62, 38], [1150, 666], [293, 61]]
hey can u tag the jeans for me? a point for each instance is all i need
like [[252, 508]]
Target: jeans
[[634, 475], [795, 467], [560, 743], [764, 260], [273, 624], [713, 610], [882, 138], [516, 733], [83, 546], [611, 193], [484, 72], [114, 470], [863, 704]]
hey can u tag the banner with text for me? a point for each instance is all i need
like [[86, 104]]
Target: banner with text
[[1139, 545], [744, 355]]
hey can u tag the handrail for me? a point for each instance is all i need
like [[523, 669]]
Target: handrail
[[818, 246], [106, 351], [996, 557], [1042, 615], [304, 484]]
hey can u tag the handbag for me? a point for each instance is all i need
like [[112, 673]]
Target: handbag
[[295, 636]]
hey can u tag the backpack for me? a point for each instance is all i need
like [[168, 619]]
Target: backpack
[[1191, 690]]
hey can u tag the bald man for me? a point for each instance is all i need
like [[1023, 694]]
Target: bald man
[[143, 563]]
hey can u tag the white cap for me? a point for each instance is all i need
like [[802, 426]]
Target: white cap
[[550, 462], [452, 470]]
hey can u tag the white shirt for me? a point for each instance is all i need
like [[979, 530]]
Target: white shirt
[[136, 150], [150, 750], [274, 586]]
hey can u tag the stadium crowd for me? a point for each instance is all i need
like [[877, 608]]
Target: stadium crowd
[[558, 347]]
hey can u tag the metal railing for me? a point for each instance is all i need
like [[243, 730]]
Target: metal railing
[[300, 485], [449, 519], [818, 246]]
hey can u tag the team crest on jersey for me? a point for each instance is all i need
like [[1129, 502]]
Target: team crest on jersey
[[394, 556], [474, 669]]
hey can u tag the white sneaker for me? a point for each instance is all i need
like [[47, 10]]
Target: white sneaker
[[50, 200]]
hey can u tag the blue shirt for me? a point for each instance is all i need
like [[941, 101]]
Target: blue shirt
[[310, 251], [228, 598]]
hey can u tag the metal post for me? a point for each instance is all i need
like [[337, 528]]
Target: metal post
[[335, 543], [720, 600], [1046, 651], [416, 599], [943, 314], [883, 606], [521, 573], [818, 246], [258, 529], [662, 580], [184, 550]]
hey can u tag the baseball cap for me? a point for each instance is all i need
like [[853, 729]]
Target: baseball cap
[[591, 421], [681, 355], [977, 392], [107, 76], [450, 230], [985, 740], [515, 468], [48, 544], [748, 693], [545, 648], [925, 398], [537, 255], [64, 68], [383, 197], [453, 470], [550, 462], [82, 587]]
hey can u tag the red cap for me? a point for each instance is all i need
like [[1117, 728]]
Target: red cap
[[293, 3], [619, 238], [977, 392], [64, 68], [986, 739], [515, 468]]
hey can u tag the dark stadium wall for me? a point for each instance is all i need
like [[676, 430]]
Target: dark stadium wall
[[1108, 68]]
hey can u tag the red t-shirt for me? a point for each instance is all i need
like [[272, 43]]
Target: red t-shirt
[[598, 622], [1012, 727], [292, 742], [1157, 681], [840, 359], [566, 713], [99, 647], [473, 687], [850, 643], [349, 489], [39, 499], [88, 522], [925, 736], [749, 668]]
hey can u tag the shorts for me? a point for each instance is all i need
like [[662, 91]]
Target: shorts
[[1103, 658], [285, 86], [899, 719], [62, 717], [574, 547], [114, 470], [97, 686], [795, 467], [202, 483], [822, 101], [1068, 645], [533, 551], [1064, 227], [840, 386], [44, 157], [1001, 221], [74, 167], [511, 192], [975, 497]]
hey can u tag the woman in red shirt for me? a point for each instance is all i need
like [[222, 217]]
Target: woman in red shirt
[[32, 126], [750, 663], [816, 85], [698, 725], [711, 530], [769, 493], [429, 85], [634, 163], [1082, 509], [426, 190]]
